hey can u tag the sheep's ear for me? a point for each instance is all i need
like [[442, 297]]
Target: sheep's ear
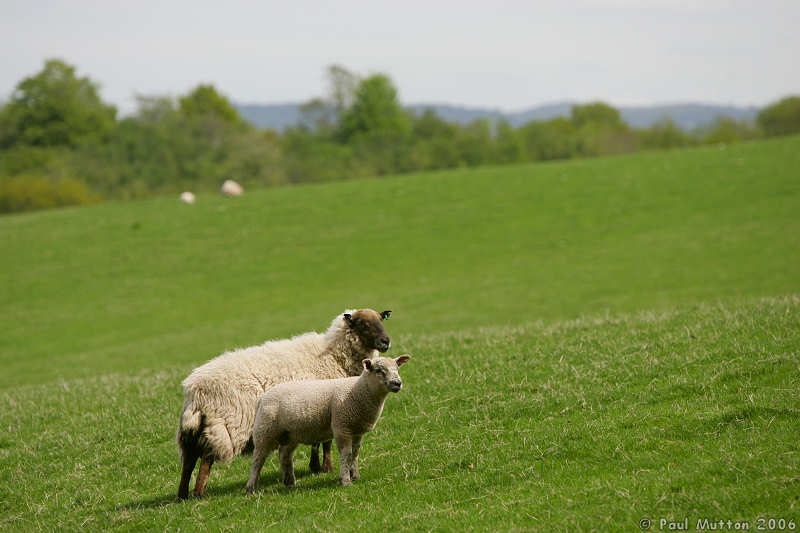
[[348, 319], [367, 364], [385, 315], [403, 359]]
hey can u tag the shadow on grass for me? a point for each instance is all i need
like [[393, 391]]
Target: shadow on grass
[[310, 482]]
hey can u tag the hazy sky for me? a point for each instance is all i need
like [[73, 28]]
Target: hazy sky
[[508, 55]]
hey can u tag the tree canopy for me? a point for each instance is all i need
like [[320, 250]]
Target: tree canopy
[[56, 108], [375, 108], [596, 113], [782, 117], [205, 100]]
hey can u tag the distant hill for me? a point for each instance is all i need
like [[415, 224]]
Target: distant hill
[[273, 116], [687, 116]]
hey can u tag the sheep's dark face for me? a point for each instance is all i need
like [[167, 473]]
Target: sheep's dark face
[[385, 371], [368, 325]]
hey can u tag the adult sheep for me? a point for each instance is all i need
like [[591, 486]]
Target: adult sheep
[[220, 397]]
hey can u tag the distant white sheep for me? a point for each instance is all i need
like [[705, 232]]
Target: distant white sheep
[[231, 188], [305, 412], [187, 197], [220, 397]]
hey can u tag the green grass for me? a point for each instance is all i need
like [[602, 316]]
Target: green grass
[[593, 342]]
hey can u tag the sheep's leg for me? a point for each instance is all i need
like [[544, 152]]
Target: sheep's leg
[[344, 444], [202, 476], [190, 458], [354, 463], [327, 461], [260, 454], [286, 453], [314, 465]]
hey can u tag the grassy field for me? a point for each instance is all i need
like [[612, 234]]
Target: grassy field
[[594, 342]]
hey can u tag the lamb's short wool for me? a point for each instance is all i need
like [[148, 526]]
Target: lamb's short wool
[[220, 397], [304, 412]]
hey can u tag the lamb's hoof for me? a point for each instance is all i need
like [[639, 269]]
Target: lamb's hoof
[[314, 466], [199, 495], [327, 467], [345, 482]]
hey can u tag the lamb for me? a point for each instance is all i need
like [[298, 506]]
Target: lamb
[[220, 397], [305, 412]]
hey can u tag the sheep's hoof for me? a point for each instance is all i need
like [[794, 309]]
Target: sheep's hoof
[[314, 466], [345, 482], [250, 489]]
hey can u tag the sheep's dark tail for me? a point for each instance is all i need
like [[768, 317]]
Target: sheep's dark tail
[[189, 432]]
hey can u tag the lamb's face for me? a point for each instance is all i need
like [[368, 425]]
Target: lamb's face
[[368, 326], [384, 371]]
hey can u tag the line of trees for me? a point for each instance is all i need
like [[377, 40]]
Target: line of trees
[[61, 144]]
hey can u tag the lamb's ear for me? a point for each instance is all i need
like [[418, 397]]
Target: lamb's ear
[[403, 359], [367, 364], [348, 319], [385, 315]]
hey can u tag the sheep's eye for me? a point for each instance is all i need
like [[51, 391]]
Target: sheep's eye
[[380, 371]]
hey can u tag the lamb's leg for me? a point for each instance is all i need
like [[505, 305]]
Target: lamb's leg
[[354, 463], [327, 462], [344, 444], [314, 465], [286, 453], [202, 476], [190, 458], [260, 454]]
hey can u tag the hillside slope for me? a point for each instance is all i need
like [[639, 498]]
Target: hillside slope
[[134, 285], [580, 425], [593, 343]]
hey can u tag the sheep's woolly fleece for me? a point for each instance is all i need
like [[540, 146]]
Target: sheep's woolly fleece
[[220, 397]]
